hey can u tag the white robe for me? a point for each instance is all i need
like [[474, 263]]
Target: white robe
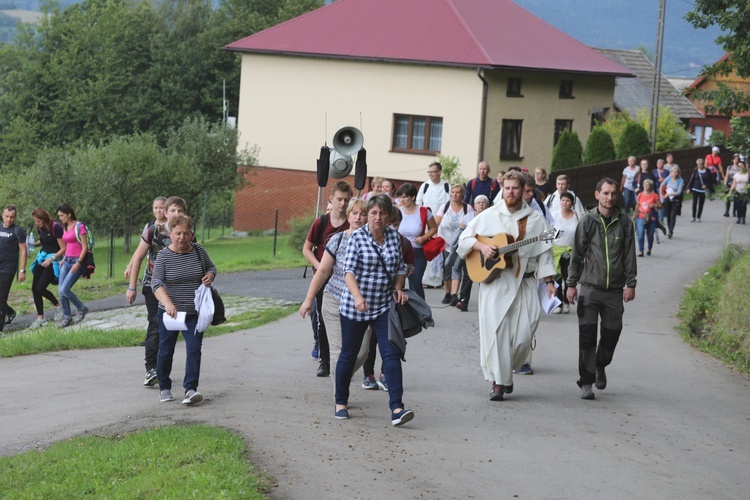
[[509, 309]]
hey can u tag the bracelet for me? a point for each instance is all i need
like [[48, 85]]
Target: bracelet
[[131, 289]]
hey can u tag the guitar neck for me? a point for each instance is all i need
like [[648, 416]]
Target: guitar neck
[[517, 245]]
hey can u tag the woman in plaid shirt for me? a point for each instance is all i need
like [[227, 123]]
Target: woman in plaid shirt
[[374, 275]]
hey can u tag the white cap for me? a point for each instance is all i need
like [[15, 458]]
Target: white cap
[[715, 149]]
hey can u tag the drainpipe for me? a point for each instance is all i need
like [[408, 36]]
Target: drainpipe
[[482, 123]]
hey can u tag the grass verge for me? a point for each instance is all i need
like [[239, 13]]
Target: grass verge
[[145, 464], [712, 316], [52, 338]]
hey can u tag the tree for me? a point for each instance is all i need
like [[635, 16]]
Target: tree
[[451, 169], [670, 132], [739, 139], [633, 141], [567, 152], [599, 147], [615, 126]]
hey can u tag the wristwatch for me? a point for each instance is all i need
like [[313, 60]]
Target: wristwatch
[[22, 271]]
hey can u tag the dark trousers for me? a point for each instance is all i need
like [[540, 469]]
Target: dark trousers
[[43, 277], [464, 289], [167, 342], [628, 199], [671, 208], [152, 330], [741, 207], [593, 304], [319, 327], [369, 367], [562, 287], [698, 200], [352, 333], [6, 280], [415, 279]]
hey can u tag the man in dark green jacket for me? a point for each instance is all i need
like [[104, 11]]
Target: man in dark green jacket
[[603, 261]]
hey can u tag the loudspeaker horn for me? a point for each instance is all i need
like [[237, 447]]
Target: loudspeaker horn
[[341, 165], [347, 141]]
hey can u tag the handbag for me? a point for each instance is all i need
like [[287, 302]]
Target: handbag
[[88, 266], [433, 247], [219, 310]]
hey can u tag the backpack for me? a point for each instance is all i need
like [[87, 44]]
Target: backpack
[[445, 185], [448, 204], [89, 236]]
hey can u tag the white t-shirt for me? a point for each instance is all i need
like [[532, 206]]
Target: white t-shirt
[[451, 222], [567, 228], [630, 177], [411, 226], [435, 196]]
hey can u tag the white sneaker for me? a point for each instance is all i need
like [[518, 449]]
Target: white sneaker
[[566, 308], [38, 323], [192, 397], [557, 310], [58, 314]]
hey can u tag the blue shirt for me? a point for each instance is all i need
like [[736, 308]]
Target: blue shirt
[[362, 261]]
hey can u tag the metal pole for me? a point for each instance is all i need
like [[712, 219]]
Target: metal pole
[[203, 229], [111, 251], [657, 75], [275, 231]]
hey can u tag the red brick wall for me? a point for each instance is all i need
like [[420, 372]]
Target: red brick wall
[[292, 192]]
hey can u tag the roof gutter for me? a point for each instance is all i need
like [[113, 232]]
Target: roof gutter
[[483, 115]]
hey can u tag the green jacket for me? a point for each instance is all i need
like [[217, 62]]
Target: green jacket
[[603, 256]]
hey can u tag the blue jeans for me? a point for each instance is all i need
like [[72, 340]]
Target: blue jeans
[[167, 342], [67, 280], [415, 280], [352, 333], [628, 199], [647, 229]]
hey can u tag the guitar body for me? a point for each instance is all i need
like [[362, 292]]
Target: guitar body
[[483, 270]]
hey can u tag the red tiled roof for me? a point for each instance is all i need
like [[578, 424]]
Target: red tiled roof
[[488, 33]]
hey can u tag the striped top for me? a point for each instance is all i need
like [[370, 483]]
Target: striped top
[[180, 275]]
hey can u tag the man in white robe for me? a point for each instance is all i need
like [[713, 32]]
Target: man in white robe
[[509, 308]]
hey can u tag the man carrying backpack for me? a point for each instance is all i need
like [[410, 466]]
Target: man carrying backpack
[[12, 245], [603, 261], [435, 192], [320, 232], [482, 184]]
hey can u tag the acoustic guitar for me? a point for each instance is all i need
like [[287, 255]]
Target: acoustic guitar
[[483, 270]]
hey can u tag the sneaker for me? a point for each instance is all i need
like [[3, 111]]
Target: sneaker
[[342, 414], [165, 395], [324, 369], [9, 318], [38, 323], [58, 314], [526, 370], [315, 354], [454, 300], [461, 306], [587, 392], [192, 397], [381, 382], [557, 310], [66, 321], [151, 379], [370, 383], [401, 417], [601, 379], [566, 308], [497, 392], [692, 220], [447, 298], [82, 312]]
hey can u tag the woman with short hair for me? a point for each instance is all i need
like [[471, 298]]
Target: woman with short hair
[[449, 220], [672, 199], [418, 225], [179, 270], [645, 216]]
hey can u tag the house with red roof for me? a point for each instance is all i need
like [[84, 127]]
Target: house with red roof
[[476, 79]]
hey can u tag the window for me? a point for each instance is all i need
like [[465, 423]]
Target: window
[[514, 88], [566, 89], [701, 135], [510, 140], [560, 127], [417, 134]]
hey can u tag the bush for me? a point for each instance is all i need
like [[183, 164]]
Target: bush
[[633, 142], [671, 133], [451, 171], [567, 152], [299, 229], [599, 147]]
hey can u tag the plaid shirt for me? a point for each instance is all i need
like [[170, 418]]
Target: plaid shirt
[[362, 261]]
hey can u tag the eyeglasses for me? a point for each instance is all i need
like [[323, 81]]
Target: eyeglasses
[[433, 171]]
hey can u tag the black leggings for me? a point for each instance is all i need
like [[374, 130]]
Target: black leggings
[[43, 277], [698, 200]]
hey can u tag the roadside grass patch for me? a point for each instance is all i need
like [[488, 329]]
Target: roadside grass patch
[[713, 315], [52, 338], [178, 461]]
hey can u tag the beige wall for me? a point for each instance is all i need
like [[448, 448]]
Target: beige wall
[[284, 101], [539, 107]]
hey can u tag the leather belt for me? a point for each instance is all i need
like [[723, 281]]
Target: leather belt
[[529, 275]]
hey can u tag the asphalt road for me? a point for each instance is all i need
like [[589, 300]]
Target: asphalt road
[[672, 423]]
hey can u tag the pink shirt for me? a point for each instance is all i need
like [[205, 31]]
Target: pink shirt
[[72, 247]]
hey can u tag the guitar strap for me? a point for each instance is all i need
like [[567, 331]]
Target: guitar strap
[[521, 234]]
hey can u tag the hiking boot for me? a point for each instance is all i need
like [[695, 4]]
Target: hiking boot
[[9, 318], [38, 323], [601, 378], [192, 397], [370, 383], [151, 378], [454, 300], [82, 312], [165, 395], [447, 298], [526, 370], [587, 392], [381, 382], [324, 369], [66, 321], [497, 392]]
